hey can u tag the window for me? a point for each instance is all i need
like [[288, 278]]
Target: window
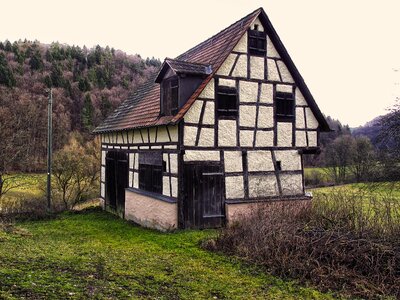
[[284, 106], [227, 105], [170, 96], [257, 42], [150, 171]]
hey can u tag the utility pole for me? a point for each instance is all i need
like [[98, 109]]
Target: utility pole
[[49, 146]]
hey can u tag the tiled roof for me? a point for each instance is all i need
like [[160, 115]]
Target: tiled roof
[[142, 109]]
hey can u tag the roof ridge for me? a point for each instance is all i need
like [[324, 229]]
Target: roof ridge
[[186, 62], [258, 10]]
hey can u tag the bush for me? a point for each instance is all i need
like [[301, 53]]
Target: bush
[[26, 209], [349, 243]]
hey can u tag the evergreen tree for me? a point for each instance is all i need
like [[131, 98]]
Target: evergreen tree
[[105, 106], [87, 113], [56, 75], [6, 74], [36, 62]]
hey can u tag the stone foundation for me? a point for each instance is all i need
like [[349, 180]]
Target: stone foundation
[[150, 212], [236, 211]]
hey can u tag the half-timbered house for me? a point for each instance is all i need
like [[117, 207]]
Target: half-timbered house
[[219, 128]]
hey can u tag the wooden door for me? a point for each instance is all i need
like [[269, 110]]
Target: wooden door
[[116, 181], [203, 204]]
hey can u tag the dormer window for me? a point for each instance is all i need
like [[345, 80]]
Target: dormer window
[[256, 42], [170, 96]]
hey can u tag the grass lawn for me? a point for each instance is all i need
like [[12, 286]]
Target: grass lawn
[[375, 189], [93, 254], [28, 186]]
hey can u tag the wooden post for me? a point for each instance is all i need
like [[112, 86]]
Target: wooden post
[[49, 147]]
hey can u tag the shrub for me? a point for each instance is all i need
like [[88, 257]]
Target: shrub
[[346, 242]]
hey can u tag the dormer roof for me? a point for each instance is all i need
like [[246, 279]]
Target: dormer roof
[[182, 67]]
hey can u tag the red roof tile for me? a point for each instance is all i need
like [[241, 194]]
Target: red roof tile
[[142, 109]]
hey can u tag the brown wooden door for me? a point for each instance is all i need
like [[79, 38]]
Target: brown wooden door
[[203, 205]]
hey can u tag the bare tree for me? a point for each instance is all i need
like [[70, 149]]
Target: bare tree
[[338, 157], [362, 159]]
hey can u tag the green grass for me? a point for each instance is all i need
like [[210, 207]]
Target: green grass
[[93, 254], [28, 186], [377, 189]]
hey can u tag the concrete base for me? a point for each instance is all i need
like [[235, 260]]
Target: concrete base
[[236, 211], [150, 212]]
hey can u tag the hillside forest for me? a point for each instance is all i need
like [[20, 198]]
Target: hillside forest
[[87, 85]]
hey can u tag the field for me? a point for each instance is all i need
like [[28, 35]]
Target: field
[[28, 185], [92, 254]]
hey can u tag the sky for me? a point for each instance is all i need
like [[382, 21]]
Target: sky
[[348, 51]]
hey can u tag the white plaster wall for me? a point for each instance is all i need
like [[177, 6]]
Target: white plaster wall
[[208, 117], [273, 74], [241, 46], [265, 117], [260, 161], [170, 147], [234, 187], [271, 50], [290, 159], [151, 212], [300, 100], [246, 138], [103, 173], [173, 157], [284, 88], [247, 115], [103, 157], [248, 91], [285, 74], [284, 134], [241, 67], [265, 138], [145, 135], [130, 182], [226, 66], [257, 66], [193, 114], [292, 184], [174, 185], [165, 186], [136, 180], [102, 190], [227, 133], [206, 137], [263, 186], [312, 122], [312, 138], [137, 137], [258, 22], [189, 136], [227, 82], [152, 133], [233, 161], [208, 91], [173, 131], [300, 118], [131, 160], [267, 93], [136, 160], [201, 155], [301, 140]]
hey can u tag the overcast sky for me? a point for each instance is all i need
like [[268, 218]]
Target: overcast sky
[[347, 51]]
